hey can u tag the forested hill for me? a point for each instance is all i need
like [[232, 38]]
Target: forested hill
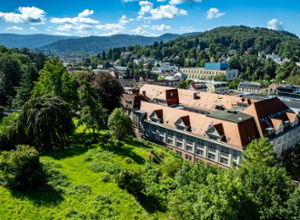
[[243, 39], [95, 44], [246, 49], [29, 41]]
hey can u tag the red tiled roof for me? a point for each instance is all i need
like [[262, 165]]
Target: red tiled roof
[[200, 123]]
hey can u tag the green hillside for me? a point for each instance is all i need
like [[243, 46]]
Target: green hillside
[[95, 44], [91, 193]]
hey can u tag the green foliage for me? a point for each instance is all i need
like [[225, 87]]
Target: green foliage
[[21, 169], [259, 151], [56, 81], [270, 187], [96, 44], [120, 124], [54, 177], [45, 122], [92, 114], [27, 80], [109, 91], [204, 192], [294, 205], [10, 73]]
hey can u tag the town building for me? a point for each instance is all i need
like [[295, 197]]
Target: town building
[[210, 71], [211, 127], [252, 87], [215, 86], [291, 91]]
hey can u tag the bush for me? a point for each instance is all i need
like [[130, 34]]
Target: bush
[[53, 177], [21, 169]]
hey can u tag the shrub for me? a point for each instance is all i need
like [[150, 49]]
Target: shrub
[[54, 177], [21, 168]]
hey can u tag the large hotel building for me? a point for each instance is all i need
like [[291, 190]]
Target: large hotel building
[[211, 127], [211, 70]]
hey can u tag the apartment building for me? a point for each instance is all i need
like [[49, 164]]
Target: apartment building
[[253, 87], [212, 127], [211, 70]]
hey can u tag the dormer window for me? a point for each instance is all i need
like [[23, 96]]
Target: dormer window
[[183, 123], [157, 116]]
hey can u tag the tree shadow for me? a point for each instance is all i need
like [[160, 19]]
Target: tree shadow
[[119, 149], [79, 144], [151, 204], [46, 196], [137, 143]]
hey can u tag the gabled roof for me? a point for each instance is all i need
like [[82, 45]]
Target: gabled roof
[[237, 134], [185, 120], [292, 117], [265, 110], [158, 113], [276, 123], [208, 101]]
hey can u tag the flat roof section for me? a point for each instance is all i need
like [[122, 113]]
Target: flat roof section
[[228, 116]]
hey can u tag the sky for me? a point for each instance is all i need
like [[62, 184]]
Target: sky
[[144, 17]]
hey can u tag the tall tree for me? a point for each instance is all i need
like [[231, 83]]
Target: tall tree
[[10, 74], [120, 124], [259, 151], [109, 91], [45, 122], [29, 76], [56, 81], [92, 114]]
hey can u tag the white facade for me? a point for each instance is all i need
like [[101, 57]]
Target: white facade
[[202, 73]]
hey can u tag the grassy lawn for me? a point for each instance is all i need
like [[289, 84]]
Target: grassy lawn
[[91, 194]]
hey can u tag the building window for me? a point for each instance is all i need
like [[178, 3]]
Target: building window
[[199, 152], [200, 143], [189, 148], [178, 144], [170, 134], [188, 157], [189, 140], [179, 153], [211, 156], [170, 141], [179, 136], [212, 147], [224, 160], [224, 151], [235, 155]]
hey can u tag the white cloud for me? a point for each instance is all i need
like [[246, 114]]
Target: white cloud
[[82, 18], [186, 29], [81, 23], [140, 31], [61, 33], [161, 27], [214, 13], [124, 19], [86, 13], [169, 11], [115, 28], [32, 15], [71, 27], [177, 2], [15, 28], [275, 24], [32, 28]]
